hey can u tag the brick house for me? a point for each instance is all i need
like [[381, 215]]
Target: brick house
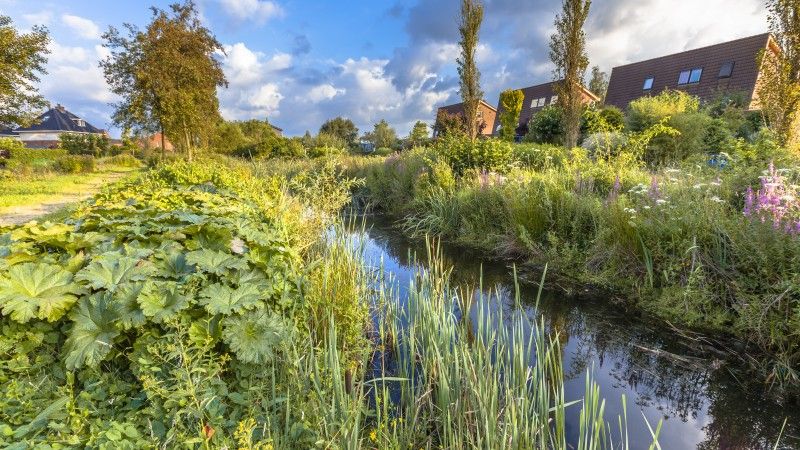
[[487, 115], [729, 67], [153, 142], [536, 98], [49, 127]]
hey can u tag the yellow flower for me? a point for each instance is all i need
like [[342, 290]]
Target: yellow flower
[[373, 436]]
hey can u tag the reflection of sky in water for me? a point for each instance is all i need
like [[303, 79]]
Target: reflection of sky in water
[[699, 406]]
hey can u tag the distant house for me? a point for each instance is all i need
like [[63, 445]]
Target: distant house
[[487, 115], [6, 132], [278, 131], [51, 125], [536, 98], [154, 142], [729, 67]]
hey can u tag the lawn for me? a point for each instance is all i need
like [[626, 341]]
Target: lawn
[[19, 193]]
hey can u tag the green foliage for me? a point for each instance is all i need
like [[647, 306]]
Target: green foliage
[[646, 111], [383, 135], [24, 60], [419, 135], [490, 155], [469, 28], [546, 126], [598, 83], [75, 164], [511, 107], [166, 76], [43, 291], [85, 144], [608, 119], [449, 124], [344, 129]]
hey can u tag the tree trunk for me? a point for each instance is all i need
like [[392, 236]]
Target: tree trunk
[[163, 145]]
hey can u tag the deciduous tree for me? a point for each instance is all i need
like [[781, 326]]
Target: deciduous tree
[[511, 107], [342, 128], [471, 94], [568, 53], [22, 61], [419, 134], [383, 135], [167, 76]]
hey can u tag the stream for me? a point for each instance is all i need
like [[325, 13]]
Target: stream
[[696, 391]]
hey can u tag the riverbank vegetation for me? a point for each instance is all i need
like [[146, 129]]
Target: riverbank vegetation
[[201, 305]]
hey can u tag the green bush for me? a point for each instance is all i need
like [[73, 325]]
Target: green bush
[[607, 119], [645, 112], [540, 156], [546, 126], [318, 152], [383, 151], [85, 144], [463, 154], [124, 160], [75, 164]]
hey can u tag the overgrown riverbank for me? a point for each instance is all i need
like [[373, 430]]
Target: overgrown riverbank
[[712, 247], [199, 305]]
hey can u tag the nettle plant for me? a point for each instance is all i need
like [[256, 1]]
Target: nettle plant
[[775, 202], [149, 257]]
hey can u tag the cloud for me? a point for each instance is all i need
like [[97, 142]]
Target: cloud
[[82, 27], [254, 89], [39, 18], [323, 92], [256, 10]]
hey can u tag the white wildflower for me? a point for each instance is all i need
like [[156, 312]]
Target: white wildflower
[[237, 246]]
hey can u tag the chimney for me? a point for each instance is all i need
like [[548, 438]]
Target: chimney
[[60, 108]]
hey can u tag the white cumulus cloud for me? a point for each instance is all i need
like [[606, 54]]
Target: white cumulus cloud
[[256, 10], [323, 92], [81, 26]]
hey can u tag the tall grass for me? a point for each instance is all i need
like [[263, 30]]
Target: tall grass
[[449, 369]]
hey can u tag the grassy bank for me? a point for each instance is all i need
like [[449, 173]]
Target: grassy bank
[[198, 305], [685, 242]]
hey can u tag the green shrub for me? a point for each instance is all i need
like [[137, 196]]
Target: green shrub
[[463, 154], [540, 156], [75, 164], [718, 138], [318, 152], [124, 160], [645, 112], [85, 144], [607, 119], [383, 151], [546, 126]]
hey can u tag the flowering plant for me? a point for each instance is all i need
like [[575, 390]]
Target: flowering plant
[[776, 201]]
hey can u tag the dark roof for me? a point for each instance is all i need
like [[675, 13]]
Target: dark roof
[[544, 91], [59, 119], [627, 82], [458, 108], [5, 131]]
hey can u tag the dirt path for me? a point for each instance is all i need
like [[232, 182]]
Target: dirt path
[[17, 215]]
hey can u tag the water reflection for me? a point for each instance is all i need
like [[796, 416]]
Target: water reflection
[[662, 374]]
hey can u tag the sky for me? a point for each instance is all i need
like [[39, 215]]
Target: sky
[[298, 63]]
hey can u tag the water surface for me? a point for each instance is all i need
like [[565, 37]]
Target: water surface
[[695, 390]]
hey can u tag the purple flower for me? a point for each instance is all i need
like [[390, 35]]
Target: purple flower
[[654, 193]]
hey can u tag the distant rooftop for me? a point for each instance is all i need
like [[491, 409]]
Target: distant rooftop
[[58, 119]]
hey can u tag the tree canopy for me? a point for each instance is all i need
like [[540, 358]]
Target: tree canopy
[[166, 75], [342, 128], [419, 134], [382, 135], [22, 61]]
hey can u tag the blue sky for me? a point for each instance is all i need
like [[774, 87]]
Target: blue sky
[[300, 62]]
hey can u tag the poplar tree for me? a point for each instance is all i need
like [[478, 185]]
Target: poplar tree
[[471, 94], [511, 107], [167, 76], [568, 53], [778, 92], [598, 83], [22, 61]]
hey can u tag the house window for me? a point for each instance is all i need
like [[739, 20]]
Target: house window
[[648, 83], [542, 101], [695, 76], [726, 70], [690, 76], [534, 102], [553, 99]]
